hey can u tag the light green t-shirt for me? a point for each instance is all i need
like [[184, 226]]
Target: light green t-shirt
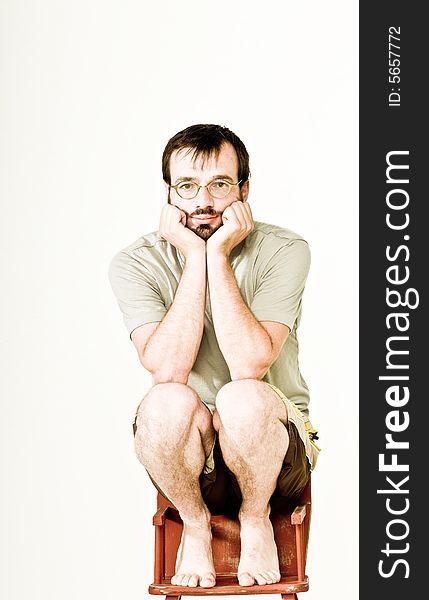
[[270, 267]]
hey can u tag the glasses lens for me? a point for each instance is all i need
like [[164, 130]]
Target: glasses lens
[[219, 188], [187, 190]]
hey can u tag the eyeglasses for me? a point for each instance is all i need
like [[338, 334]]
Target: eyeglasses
[[218, 188]]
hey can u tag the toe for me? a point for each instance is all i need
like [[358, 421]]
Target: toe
[[275, 576], [193, 580], [207, 580], [268, 577], [260, 578], [177, 579], [245, 579]]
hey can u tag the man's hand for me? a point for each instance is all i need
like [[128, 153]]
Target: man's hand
[[172, 227], [237, 224]]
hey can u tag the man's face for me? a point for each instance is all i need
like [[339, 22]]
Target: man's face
[[204, 213]]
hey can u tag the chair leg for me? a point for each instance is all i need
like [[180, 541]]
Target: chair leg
[[289, 597], [170, 597]]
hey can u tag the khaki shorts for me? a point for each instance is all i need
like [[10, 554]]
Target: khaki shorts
[[219, 486]]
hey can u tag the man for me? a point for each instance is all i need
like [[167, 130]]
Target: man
[[212, 302]]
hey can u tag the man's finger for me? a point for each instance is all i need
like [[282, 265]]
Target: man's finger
[[248, 214], [242, 214], [183, 218], [230, 215], [247, 208]]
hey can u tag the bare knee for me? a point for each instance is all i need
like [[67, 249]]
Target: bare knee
[[168, 402], [248, 403]]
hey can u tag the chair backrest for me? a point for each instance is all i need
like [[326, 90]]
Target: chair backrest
[[226, 535]]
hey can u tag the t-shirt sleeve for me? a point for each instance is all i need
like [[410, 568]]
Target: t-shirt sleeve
[[279, 288], [136, 291]]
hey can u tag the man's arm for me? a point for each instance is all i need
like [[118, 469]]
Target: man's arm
[[248, 346], [168, 349]]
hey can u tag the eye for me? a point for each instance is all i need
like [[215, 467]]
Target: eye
[[219, 184], [186, 186]]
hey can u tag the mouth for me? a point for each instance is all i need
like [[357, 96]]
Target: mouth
[[204, 219]]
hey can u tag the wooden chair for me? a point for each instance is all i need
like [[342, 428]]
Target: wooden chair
[[291, 531]]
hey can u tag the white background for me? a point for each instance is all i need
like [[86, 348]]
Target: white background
[[90, 93]]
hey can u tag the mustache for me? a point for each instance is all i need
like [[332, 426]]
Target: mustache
[[208, 210]]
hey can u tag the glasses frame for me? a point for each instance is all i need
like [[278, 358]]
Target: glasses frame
[[204, 186]]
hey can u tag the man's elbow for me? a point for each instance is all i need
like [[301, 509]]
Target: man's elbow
[[166, 376], [249, 371], [164, 373]]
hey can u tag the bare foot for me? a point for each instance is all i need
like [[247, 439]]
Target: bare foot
[[259, 561], [194, 563]]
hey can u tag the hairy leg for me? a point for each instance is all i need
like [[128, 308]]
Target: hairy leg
[[251, 421], [174, 436]]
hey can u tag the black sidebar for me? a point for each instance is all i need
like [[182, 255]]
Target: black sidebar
[[394, 257]]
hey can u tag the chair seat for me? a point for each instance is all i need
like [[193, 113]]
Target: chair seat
[[228, 586]]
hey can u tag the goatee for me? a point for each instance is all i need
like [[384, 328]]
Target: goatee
[[205, 230]]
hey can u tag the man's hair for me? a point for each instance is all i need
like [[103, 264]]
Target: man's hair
[[205, 141]]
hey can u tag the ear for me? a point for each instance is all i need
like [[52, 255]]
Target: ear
[[245, 191], [167, 193]]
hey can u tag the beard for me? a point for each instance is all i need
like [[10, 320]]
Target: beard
[[205, 230]]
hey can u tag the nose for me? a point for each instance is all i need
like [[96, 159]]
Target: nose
[[204, 198]]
